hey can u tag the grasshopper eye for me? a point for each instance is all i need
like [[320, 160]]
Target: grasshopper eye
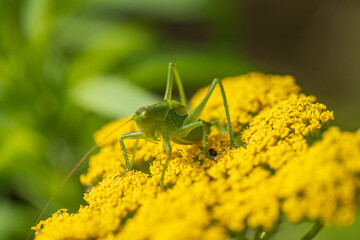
[[144, 114]]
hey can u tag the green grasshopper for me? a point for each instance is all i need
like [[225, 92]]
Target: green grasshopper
[[170, 120]]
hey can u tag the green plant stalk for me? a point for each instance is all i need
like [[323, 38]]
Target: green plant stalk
[[257, 233], [313, 231]]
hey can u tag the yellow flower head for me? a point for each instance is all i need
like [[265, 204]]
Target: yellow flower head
[[287, 163]]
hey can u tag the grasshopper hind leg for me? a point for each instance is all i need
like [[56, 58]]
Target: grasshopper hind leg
[[193, 133], [195, 114]]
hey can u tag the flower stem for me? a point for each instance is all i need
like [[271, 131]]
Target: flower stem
[[313, 231], [257, 233]]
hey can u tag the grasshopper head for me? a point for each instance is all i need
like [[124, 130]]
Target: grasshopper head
[[146, 121], [151, 119]]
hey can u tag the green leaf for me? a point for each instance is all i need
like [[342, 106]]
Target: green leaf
[[11, 216], [35, 19], [109, 48], [111, 96], [17, 145], [68, 30]]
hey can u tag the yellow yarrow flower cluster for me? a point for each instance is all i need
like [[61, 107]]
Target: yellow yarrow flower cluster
[[249, 94], [323, 183], [287, 163]]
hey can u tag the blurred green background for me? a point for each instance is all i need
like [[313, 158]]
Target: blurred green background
[[68, 67]]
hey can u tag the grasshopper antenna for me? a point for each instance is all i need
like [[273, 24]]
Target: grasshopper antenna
[[73, 170]]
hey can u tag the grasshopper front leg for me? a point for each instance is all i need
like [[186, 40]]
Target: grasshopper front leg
[[167, 146], [134, 135]]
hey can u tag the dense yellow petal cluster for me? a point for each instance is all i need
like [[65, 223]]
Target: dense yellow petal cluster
[[323, 182], [288, 162], [277, 133], [248, 94]]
